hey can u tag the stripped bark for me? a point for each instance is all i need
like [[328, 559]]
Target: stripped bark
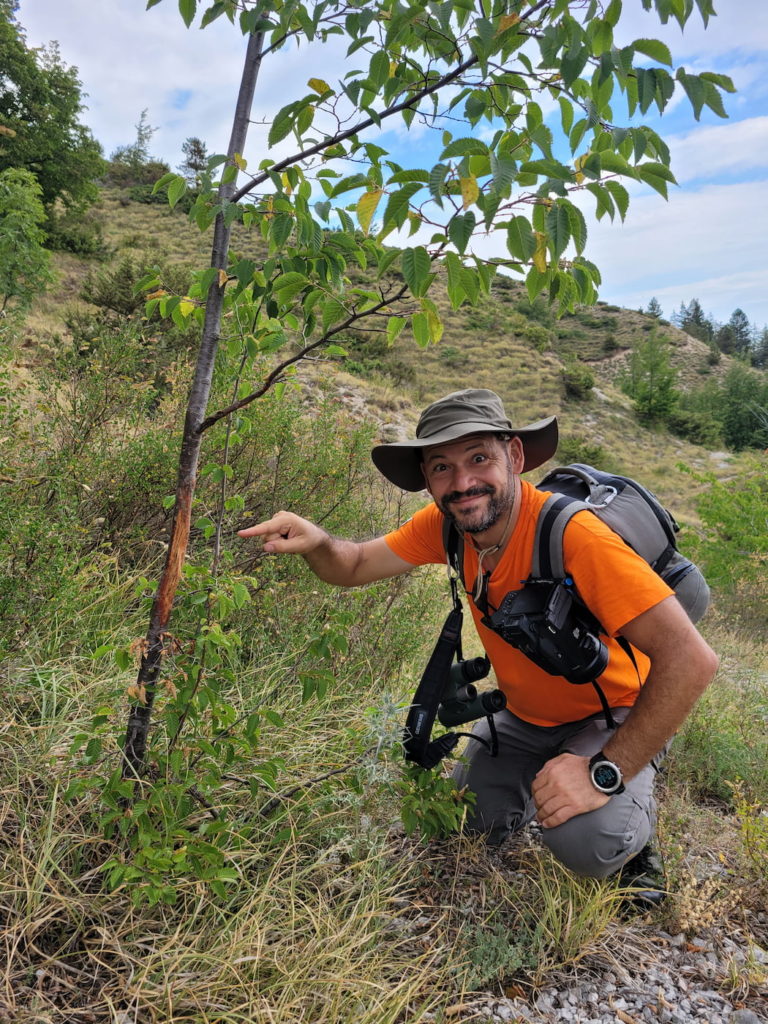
[[152, 657]]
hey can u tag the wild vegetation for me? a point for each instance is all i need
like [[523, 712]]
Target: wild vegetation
[[269, 862]]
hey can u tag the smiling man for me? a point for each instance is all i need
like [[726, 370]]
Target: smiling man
[[585, 775]]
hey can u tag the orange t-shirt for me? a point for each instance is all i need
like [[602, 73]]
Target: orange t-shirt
[[614, 582]]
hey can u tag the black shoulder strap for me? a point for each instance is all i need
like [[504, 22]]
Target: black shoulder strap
[[453, 542], [421, 716]]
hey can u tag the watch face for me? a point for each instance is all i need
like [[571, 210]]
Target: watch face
[[605, 776]]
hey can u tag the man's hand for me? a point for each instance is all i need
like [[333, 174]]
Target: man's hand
[[563, 789], [344, 563], [287, 533]]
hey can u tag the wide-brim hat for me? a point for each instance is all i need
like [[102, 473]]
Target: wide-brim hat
[[473, 411]]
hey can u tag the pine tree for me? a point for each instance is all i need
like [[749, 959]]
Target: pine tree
[[654, 308]]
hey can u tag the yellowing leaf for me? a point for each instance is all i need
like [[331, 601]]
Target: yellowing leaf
[[222, 278], [5, 130], [158, 294], [469, 191], [185, 307], [366, 207], [241, 162], [138, 693], [318, 85], [507, 21], [540, 252], [286, 184]]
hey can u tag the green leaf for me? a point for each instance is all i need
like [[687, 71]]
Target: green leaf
[[420, 328], [176, 190], [187, 10], [437, 182], [282, 125], [620, 196], [521, 242], [415, 265], [463, 147], [654, 49], [604, 201], [558, 229], [578, 225], [395, 325], [460, 230]]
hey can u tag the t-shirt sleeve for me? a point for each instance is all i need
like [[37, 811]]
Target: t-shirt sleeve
[[615, 583], [420, 539]]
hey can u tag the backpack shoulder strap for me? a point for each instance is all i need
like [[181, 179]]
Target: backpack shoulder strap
[[556, 513]]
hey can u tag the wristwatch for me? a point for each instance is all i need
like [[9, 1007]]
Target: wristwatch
[[606, 776]]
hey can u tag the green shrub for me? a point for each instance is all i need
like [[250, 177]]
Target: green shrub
[[538, 335], [696, 426], [578, 380], [576, 448]]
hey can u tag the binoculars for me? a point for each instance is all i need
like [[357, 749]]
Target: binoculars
[[461, 701]]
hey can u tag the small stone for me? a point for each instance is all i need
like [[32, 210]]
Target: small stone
[[743, 1017]]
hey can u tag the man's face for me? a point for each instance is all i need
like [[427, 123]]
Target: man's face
[[473, 480]]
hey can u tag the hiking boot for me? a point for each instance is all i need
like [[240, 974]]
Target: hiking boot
[[644, 873]]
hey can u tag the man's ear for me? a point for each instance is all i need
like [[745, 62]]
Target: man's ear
[[516, 454]]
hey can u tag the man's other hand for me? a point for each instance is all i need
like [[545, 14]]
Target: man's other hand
[[563, 789], [287, 533]]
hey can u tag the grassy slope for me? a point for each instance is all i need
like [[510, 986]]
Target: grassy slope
[[347, 919]]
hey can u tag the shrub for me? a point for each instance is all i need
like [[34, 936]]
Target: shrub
[[576, 448], [697, 426], [578, 380], [80, 233]]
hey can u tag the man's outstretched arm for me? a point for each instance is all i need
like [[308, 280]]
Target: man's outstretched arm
[[344, 563]]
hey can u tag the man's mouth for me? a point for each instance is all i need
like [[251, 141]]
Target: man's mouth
[[468, 497]]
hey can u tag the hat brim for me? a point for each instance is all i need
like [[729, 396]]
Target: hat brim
[[400, 462]]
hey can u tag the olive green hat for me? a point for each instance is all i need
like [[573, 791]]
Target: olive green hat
[[473, 411]]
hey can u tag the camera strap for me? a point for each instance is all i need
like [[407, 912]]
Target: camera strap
[[418, 746]]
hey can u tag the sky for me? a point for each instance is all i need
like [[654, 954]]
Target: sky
[[707, 242]]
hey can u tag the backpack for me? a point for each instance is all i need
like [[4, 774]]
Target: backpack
[[623, 504]]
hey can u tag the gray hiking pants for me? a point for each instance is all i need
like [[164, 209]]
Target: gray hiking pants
[[595, 844]]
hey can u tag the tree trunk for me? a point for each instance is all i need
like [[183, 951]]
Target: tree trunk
[[152, 656]]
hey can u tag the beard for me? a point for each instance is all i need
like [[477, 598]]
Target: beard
[[501, 501]]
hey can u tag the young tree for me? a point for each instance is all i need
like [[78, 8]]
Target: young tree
[[484, 78], [654, 308], [132, 164], [693, 320], [760, 351], [24, 263], [651, 379], [195, 159], [40, 104]]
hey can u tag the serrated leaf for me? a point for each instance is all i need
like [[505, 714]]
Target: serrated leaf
[[318, 86], [176, 190], [469, 191], [395, 325], [415, 265], [420, 328], [463, 147], [521, 242], [578, 226], [655, 49], [540, 252], [366, 207], [437, 181], [282, 124], [460, 230]]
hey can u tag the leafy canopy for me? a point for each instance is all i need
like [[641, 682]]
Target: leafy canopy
[[40, 103], [534, 108]]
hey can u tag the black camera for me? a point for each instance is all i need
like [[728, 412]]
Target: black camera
[[461, 701], [546, 623]]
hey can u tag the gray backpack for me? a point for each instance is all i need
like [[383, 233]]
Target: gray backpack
[[630, 509], [633, 512]]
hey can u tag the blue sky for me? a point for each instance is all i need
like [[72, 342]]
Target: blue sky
[[708, 241]]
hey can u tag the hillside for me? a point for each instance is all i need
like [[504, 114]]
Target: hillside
[[264, 875]]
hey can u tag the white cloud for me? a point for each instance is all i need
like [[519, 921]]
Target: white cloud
[[736, 147]]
